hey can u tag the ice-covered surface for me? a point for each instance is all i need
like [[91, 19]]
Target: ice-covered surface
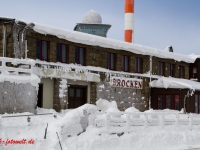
[[84, 38], [170, 82], [18, 79], [103, 104], [137, 138]]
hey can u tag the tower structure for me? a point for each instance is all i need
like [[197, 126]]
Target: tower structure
[[92, 24], [129, 21]]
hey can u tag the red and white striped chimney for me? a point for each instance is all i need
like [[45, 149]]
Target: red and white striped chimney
[[129, 20]]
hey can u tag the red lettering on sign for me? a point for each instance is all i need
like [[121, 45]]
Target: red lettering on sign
[[123, 83], [114, 82], [140, 84], [118, 82], [127, 83]]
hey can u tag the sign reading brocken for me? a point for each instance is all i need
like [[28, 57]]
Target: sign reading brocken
[[126, 82]]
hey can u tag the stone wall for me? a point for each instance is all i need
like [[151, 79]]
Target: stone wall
[[17, 98], [10, 41], [125, 97], [155, 61]]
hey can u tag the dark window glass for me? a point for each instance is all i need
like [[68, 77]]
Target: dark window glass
[[196, 104], [124, 63], [171, 70], [61, 53], [176, 102], [160, 102], [181, 71], [138, 65], [160, 68], [71, 92], [168, 101], [41, 50], [79, 55], [111, 61], [194, 72], [79, 92]]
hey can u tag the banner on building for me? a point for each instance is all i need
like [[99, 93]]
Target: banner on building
[[126, 82]]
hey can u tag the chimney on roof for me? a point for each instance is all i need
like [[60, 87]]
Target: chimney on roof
[[169, 49]]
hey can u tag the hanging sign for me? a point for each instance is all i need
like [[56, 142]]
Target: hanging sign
[[126, 82]]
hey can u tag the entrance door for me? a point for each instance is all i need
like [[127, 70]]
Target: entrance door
[[40, 96], [77, 96]]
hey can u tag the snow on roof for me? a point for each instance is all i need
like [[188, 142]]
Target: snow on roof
[[89, 39], [169, 82]]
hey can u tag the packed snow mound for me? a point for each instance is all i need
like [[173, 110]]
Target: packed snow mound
[[89, 108], [115, 111], [44, 110], [75, 121], [131, 110], [103, 104]]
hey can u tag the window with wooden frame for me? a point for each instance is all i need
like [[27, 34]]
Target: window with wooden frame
[[79, 55], [176, 102], [125, 63], [160, 102], [111, 61], [169, 101], [171, 70], [161, 68], [138, 65], [181, 71], [42, 48], [194, 72], [61, 53], [196, 104]]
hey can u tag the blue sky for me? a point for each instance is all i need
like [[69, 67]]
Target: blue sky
[[158, 23]]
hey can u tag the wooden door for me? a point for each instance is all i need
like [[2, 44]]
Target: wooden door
[[77, 96], [40, 96]]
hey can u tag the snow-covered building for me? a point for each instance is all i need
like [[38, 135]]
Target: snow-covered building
[[77, 68]]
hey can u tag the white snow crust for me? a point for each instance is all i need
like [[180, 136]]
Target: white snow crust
[[169, 82]]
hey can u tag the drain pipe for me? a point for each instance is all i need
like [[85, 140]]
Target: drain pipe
[[187, 95], [28, 26], [5, 44], [150, 72], [4, 37]]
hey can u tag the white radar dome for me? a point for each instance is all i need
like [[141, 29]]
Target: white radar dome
[[92, 17]]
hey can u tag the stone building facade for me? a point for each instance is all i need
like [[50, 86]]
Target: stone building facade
[[95, 56]]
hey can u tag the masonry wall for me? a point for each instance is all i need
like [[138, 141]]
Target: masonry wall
[[17, 98], [8, 28], [155, 61]]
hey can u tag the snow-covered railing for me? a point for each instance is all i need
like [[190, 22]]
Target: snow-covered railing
[[124, 119], [18, 66]]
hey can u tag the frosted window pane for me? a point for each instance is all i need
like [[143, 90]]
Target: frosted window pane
[[126, 63], [44, 50], [79, 93], [176, 102], [76, 55], [168, 101], [112, 61], [64, 53], [81, 56], [71, 92]]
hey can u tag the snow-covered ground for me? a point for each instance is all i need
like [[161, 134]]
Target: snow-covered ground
[[69, 124]]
